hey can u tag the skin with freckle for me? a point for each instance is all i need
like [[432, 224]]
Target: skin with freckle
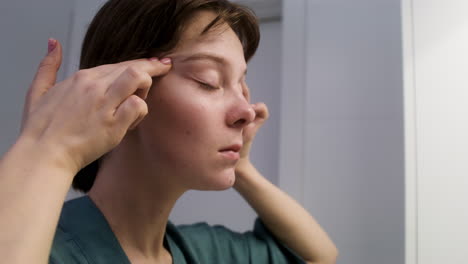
[[192, 109]]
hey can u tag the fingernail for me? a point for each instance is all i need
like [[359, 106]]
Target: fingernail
[[52, 44], [153, 59], [166, 61]]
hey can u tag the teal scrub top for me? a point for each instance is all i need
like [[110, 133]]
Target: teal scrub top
[[83, 235]]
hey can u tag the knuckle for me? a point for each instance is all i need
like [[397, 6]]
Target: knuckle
[[147, 81], [138, 75], [134, 73], [85, 81], [82, 75], [109, 122], [99, 98], [135, 101], [92, 88], [138, 105]]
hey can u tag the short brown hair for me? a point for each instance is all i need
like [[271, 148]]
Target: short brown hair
[[132, 29]]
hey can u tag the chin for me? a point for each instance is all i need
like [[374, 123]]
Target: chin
[[220, 182]]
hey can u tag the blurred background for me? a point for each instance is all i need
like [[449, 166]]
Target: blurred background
[[340, 79]]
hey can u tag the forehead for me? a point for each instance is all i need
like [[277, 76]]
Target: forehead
[[220, 41]]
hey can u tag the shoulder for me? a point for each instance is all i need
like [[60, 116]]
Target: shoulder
[[83, 236], [218, 244]]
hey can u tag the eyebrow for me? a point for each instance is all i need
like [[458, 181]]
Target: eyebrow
[[207, 56]]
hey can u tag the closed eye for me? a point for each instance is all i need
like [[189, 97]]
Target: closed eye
[[206, 85]]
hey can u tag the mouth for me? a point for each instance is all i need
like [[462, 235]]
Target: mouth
[[234, 148], [231, 152]]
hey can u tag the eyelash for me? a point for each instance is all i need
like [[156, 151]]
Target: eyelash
[[207, 86]]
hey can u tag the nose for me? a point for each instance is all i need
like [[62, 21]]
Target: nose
[[240, 114]]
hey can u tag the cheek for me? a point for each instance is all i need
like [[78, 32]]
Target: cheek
[[182, 133], [185, 118], [179, 111]]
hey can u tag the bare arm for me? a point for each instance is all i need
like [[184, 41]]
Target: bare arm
[[285, 218], [65, 127], [33, 187]]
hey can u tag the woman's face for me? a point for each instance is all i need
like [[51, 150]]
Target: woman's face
[[197, 112]]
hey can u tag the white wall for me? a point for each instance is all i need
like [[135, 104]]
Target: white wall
[[436, 111], [25, 27], [341, 151]]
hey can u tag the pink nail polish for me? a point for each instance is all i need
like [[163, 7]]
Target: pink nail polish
[[166, 61], [153, 59], [52, 44]]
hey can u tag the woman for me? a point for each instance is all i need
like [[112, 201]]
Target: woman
[[166, 126]]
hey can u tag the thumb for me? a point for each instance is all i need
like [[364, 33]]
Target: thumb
[[46, 74]]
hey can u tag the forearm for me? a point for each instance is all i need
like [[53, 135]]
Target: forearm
[[285, 218], [32, 191]]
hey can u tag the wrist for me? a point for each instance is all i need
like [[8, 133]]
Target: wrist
[[247, 176], [244, 168], [43, 154]]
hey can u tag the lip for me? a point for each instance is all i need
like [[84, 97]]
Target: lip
[[233, 147], [231, 155], [231, 152]]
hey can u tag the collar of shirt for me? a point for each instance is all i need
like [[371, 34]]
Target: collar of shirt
[[85, 225]]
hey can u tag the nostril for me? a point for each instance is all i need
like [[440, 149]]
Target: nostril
[[240, 122]]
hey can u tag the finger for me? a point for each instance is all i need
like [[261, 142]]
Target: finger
[[134, 78], [153, 66], [46, 74], [106, 69], [261, 115], [116, 68], [261, 111], [128, 83], [131, 112], [137, 122]]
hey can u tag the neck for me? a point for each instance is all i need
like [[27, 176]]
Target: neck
[[136, 199]]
